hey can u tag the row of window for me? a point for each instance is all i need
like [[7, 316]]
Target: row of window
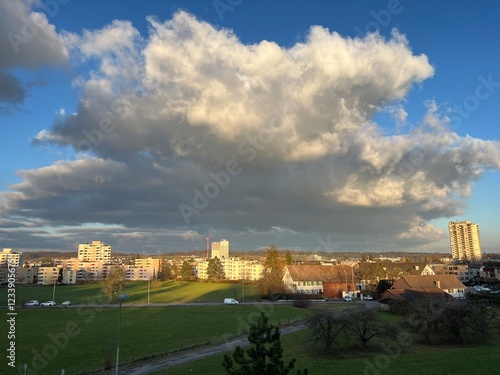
[[307, 283]]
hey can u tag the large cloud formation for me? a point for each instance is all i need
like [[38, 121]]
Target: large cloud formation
[[27, 41], [190, 130]]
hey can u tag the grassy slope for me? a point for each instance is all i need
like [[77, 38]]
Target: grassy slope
[[144, 332], [170, 291], [413, 359]]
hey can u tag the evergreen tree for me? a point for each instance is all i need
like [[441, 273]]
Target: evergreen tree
[[215, 269], [264, 357], [187, 271]]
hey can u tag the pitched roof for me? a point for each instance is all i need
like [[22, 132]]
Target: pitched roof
[[428, 282], [388, 269], [411, 294], [326, 274]]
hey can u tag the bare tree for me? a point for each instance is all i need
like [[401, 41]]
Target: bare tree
[[424, 316], [113, 283], [326, 325], [364, 325]]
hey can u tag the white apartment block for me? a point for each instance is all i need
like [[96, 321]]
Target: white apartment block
[[47, 275], [140, 273], [220, 249], [94, 251], [234, 269], [69, 276], [147, 262], [465, 242], [15, 258]]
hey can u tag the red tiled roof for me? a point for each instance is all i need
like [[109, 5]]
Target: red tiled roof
[[424, 282], [326, 274]]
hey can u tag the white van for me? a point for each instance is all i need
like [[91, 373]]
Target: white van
[[230, 301]]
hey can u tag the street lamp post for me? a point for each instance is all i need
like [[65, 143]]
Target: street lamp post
[[345, 273], [120, 300]]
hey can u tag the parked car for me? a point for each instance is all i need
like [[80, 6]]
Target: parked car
[[31, 303], [230, 301], [66, 303], [48, 303], [348, 299], [367, 297]]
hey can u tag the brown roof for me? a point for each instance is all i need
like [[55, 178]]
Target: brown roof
[[428, 282], [411, 294], [388, 269], [326, 274]]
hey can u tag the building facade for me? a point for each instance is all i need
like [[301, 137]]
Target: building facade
[[461, 271], [465, 242], [234, 269], [96, 251], [15, 258], [220, 249]]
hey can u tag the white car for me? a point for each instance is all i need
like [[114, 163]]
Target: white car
[[367, 297], [48, 303], [348, 299], [32, 303], [66, 303]]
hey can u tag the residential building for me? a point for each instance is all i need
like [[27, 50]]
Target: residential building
[[147, 262], [331, 281], [27, 275], [47, 275], [15, 258], [69, 276], [462, 271], [96, 251], [234, 268], [140, 273], [220, 249], [490, 271], [371, 273], [411, 287], [465, 242]]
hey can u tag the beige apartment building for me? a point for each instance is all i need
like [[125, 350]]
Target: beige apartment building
[[15, 258], [96, 251], [465, 242], [220, 249], [234, 269], [147, 263]]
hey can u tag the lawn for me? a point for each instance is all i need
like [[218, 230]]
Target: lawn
[[78, 339], [385, 357], [164, 292]]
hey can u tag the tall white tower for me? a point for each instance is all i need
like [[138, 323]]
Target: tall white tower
[[465, 242]]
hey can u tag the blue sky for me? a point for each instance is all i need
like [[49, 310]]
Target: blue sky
[[211, 82]]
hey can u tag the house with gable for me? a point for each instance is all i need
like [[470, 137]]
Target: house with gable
[[411, 287], [331, 281], [371, 273]]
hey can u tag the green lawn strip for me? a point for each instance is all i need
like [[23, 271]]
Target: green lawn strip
[[76, 339], [162, 292]]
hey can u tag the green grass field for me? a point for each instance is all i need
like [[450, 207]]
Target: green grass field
[[77, 338], [166, 292], [393, 360]]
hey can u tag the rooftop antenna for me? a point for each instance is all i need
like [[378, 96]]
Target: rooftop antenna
[[208, 244]]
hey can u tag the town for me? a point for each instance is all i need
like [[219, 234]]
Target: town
[[304, 273]]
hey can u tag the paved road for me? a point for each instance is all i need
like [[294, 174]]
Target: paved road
[[193, 356]]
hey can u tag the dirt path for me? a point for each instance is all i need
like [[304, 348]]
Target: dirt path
[[165, 363]]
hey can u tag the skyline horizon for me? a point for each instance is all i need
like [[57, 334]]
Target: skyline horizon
[[335, 126]]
